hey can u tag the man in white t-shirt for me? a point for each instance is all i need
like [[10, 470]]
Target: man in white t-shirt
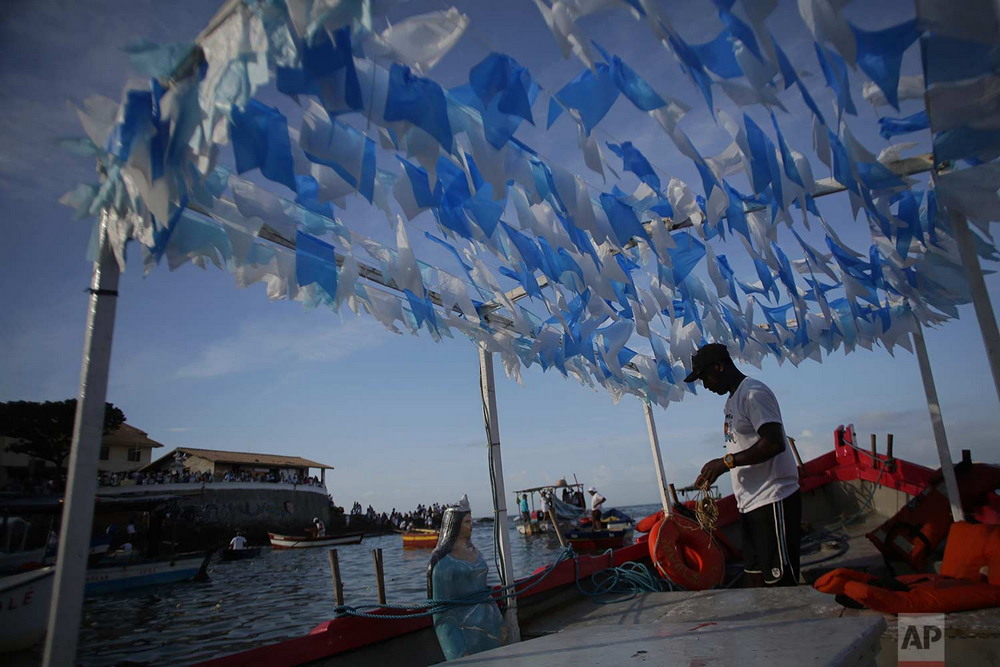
[[596, 501], [765, 477], [238, 543]]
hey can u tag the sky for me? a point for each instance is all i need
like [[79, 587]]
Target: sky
[[197, 362]]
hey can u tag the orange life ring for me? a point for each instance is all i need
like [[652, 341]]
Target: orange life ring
[[685, 554], [647, 524]]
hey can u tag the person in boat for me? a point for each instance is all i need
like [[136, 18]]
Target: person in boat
[[238, 543], [458, 570], [319, 528], [765, 477], [522, 504], [596, 502]]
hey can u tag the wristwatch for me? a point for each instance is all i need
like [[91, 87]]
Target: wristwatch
[[729, 460]]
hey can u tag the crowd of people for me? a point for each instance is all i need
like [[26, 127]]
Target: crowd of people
[[187, 477], [424, 516]]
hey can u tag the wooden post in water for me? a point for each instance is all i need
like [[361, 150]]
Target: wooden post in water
[[379, 575], [889, 459], [555, 526], [338, 585], [673, 494], [874, 451]]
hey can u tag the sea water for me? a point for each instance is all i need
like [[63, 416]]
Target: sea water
[[279, 595]]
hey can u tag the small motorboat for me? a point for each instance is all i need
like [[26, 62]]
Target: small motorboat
[[616, 532], [125, 571], [25, 599], [308, 541], [239, 554], [420, 538]]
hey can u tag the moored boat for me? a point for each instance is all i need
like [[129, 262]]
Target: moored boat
[[24, 601], [308, 541], [239, 554], [119, 573], [832, 486], [420, 538]]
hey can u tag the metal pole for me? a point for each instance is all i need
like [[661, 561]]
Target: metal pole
[[937, 422], [88, 427], [489, 393], [980, 297], [654, 444]]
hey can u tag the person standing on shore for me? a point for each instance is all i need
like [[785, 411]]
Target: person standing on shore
[[765, 477]]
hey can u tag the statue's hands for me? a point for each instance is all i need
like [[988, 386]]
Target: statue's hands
[[504, 633], [710, 472]]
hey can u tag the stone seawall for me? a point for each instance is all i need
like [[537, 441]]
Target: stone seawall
[[208, 515]]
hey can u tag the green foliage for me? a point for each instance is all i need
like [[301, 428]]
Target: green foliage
[[46, 429]]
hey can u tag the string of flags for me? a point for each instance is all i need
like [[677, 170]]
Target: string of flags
[[616, 284]]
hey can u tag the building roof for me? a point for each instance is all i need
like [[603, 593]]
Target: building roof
[[249, 458], [129, 436]]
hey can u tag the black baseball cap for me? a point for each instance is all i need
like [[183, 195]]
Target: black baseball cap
[[705, 357]]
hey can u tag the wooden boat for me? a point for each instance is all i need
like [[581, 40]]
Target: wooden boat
[[420, 538], [239, 554], [120, 572], [308, 541], [24, 601], [832, 486]]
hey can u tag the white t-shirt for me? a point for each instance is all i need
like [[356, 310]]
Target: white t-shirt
[[751, 406], [238, 543], [596, 500]]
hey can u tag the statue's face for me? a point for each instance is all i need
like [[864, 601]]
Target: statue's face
[[466, 530]]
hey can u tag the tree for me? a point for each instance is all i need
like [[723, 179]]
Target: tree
[[46, 429]]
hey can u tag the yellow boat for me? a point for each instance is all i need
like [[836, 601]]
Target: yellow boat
[[420, 538]]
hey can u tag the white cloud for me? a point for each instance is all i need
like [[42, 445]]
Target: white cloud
[[284, 344]]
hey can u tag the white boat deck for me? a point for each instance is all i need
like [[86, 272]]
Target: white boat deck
[[820, 641]]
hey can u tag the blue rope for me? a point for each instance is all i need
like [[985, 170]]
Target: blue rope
[[629, 578]]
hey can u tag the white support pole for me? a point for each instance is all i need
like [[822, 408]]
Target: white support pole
[[88, 428], [489, 393], [980, 297], [937, 422], [654, 443]]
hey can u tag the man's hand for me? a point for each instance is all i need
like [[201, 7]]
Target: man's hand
[[710, 472]]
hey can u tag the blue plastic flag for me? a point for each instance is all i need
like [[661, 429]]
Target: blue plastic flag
[[484, 210], [367, 185], [893, 127], [633, 160], [835, 72], [260, 140], [718, 56], [315, 262], [788, 72], [322, 59], [760, 149], [685, 256], [623, 220], [529, 252], [307, 190], [420, 101], [741, 31], [727, 273], [136, 116], [500, 76], [693, 66], [810, 102], [419, 183], [591, 93], [880, 53], [634, 87], [791, 169]]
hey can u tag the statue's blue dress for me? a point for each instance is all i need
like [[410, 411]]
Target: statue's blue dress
[[462, 630]]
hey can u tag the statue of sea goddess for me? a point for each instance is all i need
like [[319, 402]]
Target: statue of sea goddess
[[458, 570]]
